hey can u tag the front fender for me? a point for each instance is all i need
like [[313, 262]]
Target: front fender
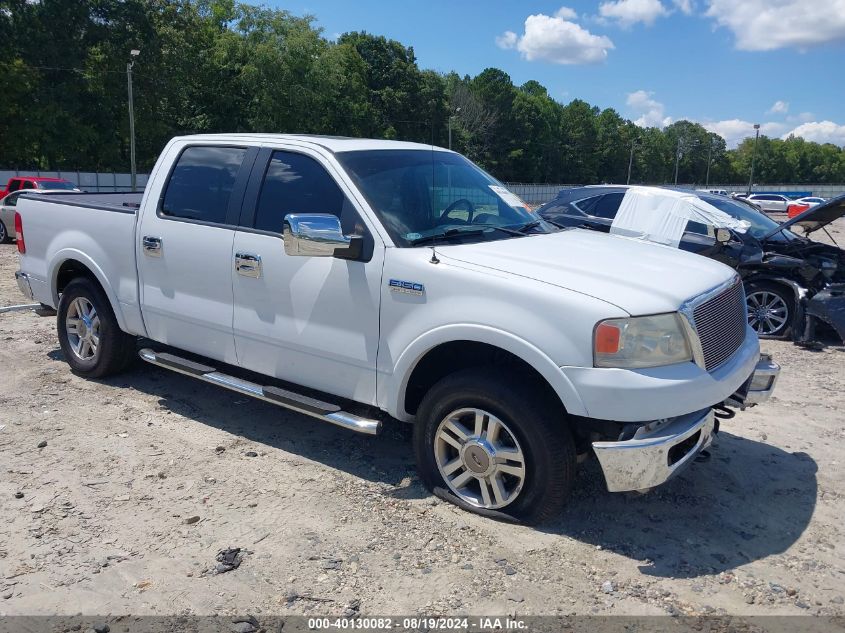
[[396, 384]]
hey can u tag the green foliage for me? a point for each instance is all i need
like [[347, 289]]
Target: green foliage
[[225, 66]]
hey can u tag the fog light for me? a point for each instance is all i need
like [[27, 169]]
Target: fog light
[[761, 383]]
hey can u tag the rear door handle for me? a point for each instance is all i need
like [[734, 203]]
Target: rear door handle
[[151, 246], [248, 265]]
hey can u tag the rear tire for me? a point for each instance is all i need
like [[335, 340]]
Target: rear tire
[[771, 308], [5, 238], [524, 455], [91, 339]]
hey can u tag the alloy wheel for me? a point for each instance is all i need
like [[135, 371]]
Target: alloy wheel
[[479, 458], [768, 313], [82, 325]]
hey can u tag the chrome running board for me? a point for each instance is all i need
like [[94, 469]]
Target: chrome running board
[[274, 395]]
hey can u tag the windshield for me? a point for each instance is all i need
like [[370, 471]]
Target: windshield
[[56, 184], [419, 194], [761, 224]]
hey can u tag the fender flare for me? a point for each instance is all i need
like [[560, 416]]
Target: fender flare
[[407, 361], [67, 254]]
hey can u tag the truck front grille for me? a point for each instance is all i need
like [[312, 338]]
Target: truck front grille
[[720, 323]]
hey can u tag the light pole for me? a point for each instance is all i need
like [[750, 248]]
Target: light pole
[[450, 126], [677, 158], [132, 55], [634, 143], [753, 156], [709, 156]]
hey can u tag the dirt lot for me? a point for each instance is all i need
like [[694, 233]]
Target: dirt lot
[[145, 477]]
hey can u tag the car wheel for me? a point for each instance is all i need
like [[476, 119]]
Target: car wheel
[[5, 238], [493, 444], [91, 339], [771, 309]]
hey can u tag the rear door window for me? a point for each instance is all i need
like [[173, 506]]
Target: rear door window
[[607, 206], [201, 183]]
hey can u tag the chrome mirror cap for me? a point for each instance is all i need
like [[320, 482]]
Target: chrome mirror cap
[[317, 235]]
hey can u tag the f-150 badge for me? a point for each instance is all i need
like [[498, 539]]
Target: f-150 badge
[[406, 287]]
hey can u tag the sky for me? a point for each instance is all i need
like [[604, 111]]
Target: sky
[[726, 64]]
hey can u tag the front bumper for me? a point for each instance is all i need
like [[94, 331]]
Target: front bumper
[[657, 452], [23, 284]]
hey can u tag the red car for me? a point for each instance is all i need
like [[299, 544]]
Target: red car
[[36, 182]]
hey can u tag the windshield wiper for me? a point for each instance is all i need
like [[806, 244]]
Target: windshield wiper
[[524, 228], [557, 224], [447, 234]]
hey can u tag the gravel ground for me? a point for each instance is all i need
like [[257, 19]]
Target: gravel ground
[[116, 496]]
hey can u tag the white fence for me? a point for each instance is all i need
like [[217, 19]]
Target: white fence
[[532, 193], [535, 194], [87, 180]]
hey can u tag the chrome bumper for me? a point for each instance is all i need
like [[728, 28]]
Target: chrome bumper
[[23, 284], [657, 451], [759, 387]]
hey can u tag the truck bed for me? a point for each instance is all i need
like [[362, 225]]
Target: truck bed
[[123, 202], [97, 230]]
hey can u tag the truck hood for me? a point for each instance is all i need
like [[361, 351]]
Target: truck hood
[[814, 218], [636, 276]]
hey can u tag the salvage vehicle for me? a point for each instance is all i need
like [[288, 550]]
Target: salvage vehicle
[[7, 211], [36, 183], [791, 282], [357, 281], [770, 202]]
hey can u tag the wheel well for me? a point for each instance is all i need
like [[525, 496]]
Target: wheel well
[[454, 356], [70, 270]]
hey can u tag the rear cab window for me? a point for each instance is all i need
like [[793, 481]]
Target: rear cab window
[[200, 186]]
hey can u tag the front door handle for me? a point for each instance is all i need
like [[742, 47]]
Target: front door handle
[[151, 246], [248, 265]]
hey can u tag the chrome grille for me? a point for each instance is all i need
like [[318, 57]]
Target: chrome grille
[[720, 323]]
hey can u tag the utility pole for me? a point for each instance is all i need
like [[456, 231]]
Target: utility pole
[[634, 142], [709, 156], [753, 156], [450, 126], [132, 55], [677, 158]]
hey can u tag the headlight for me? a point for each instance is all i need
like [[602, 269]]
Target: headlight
[[637, 342]]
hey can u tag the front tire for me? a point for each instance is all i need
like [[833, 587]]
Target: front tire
[[5, 238], [91, 339], [771, 309], [495, 444]]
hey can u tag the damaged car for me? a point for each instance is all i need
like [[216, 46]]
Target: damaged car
[[792, 282]]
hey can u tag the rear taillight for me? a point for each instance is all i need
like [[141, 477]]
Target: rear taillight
[[19, 233]]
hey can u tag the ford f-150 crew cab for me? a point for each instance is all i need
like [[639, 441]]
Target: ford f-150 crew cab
[[355, 280]]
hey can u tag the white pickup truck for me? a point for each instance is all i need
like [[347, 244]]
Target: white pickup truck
[[355, 280]]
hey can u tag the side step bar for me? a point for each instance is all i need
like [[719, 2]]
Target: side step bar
[[274, 395]]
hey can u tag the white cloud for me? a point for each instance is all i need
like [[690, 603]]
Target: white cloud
[[565, 13], [820, 132], [507, 40], [763, 25], [558, 40], [651, 111], [779, 107], [685, 6], [735, 130], [804, 117], [629, 12]]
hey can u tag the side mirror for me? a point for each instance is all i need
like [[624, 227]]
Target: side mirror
[[723, 236], [319, 235]]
